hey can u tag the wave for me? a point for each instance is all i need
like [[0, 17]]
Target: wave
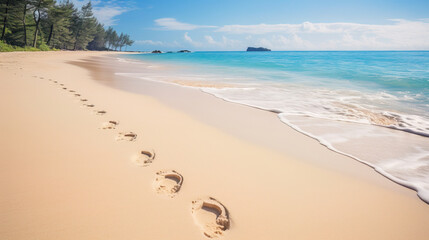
[[408, 166], [384, 128]]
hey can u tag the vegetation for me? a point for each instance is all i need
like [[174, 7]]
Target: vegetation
[[34, 25]]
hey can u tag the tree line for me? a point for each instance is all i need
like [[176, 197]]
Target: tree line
[[60, 25]]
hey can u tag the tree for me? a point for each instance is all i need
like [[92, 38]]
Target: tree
[[85, 27], [127, 41], [114, 40], [24, 24], [99, 39], [40, 11], [48, 23], [13, 33], [121, 41], [59, 23], [108, 37], [5, 7]]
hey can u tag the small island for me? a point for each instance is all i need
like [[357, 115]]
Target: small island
[[257, 49]]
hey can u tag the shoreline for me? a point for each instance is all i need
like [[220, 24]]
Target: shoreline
[[64, 177], [209, 100], [207, 87]]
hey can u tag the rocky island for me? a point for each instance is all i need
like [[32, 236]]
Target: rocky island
[[257, 49]]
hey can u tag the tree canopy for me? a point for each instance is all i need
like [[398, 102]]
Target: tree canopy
[[56, 24]]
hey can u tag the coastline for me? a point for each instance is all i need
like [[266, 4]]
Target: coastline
[[265, 128], [65, 178]]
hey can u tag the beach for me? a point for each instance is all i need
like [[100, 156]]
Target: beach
[[185, 160]]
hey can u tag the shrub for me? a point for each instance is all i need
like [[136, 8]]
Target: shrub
[[44, 47], [6, 47]]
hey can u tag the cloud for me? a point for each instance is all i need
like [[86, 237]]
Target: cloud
[[152, 43], [210, 40], [173, 24], [188, 39], [398, 35], [107, 15], [149, 42], [106, 12]]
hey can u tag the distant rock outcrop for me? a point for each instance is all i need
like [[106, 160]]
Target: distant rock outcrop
[[156, 51], [258, 49], [184, 51]]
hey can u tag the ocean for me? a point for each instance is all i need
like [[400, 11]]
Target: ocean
[[370, 105]]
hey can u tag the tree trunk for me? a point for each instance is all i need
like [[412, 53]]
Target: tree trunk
[[36, 32], [5, 20], [50, 34], [76, 37], [75, 43], [25, 25]]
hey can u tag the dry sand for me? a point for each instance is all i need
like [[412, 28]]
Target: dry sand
[[130, 166]]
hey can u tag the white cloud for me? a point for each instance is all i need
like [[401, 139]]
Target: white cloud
[[187, 38], [107, 15], [105, 12], [149, 42], [225, 42], [173, 24], [210, 40], [399, 35]]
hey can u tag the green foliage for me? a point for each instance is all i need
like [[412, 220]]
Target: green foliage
[[4, 47], [50, 24], [44, 47], [98, 43]]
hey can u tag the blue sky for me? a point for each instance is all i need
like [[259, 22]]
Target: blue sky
[[279, 25]]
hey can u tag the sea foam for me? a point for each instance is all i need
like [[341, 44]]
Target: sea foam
[[367, 106]]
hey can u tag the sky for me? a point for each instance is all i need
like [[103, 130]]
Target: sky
[[281, 25]]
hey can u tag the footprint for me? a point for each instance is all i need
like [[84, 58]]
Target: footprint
[[55, 81], [72, 91], [168, 182], [128, 136], [109, 125], [145, 158], [64, 88], [61, 84], [77, 95], [100, 112], [211, 216], [84, 100], [89, 105]]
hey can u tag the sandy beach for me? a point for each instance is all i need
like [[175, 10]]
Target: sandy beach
[[87, 154]]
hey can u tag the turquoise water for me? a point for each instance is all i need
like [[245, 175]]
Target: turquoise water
[[392, 71], [372, 106], [402, 74]]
